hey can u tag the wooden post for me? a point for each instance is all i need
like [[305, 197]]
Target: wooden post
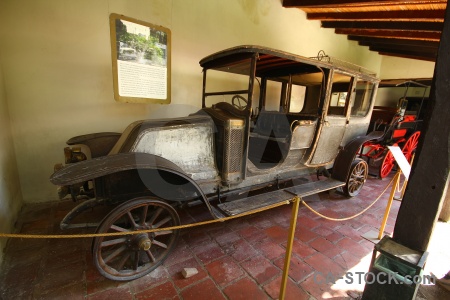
[[430, 173]]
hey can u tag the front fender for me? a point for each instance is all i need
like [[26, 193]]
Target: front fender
[[346, 156], [102, 166]]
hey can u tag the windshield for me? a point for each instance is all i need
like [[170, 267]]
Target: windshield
[[226, 87]]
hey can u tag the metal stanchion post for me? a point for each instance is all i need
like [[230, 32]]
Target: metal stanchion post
[[290, 241], [389, 204]]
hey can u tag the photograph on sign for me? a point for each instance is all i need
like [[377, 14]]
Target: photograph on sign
[[141, 61]]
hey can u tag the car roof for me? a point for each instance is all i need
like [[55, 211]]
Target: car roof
[[273, 62]]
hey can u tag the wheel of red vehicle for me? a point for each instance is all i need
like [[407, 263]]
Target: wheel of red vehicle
[[410, 145], [356, 178], [387, 165], [128, 257]]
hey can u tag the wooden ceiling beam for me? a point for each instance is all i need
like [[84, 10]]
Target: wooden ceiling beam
[[407, 54], [346, 3], [411, 51], [398, 15], [432, 59], [413, 35], [383, 47], [392, 41], [425, 50], [387, 25], [402, 28]]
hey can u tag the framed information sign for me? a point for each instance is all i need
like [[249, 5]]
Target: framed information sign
[[141, 60]]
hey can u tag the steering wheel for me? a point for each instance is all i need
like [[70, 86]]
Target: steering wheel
[[236, 101]]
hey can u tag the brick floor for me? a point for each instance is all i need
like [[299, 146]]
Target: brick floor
[[240, 259]]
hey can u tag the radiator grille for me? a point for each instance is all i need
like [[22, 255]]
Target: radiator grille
[[233, 146]]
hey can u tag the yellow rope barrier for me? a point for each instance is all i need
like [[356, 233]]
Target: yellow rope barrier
[[91, 235], [351, 217]]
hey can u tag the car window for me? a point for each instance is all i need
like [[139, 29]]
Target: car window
[[306, 92], [297, 98], [277, 91], [340, 94], [221, 83], [274, 90], [228, 81], [363, 96]]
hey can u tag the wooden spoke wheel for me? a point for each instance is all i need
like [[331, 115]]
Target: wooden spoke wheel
[[132, 256], [387, 165], [410, 145], [356, 178]]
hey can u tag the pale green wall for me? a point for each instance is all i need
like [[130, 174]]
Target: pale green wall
[[57, 65], [394, 67], [10, 194], [401, 68]]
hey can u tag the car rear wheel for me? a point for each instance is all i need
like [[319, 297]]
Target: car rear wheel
[[356, 178], [131, 256]]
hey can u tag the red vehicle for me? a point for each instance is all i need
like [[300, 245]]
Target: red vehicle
[[401, 128]]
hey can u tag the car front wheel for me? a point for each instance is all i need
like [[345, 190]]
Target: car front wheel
[[131, 256]]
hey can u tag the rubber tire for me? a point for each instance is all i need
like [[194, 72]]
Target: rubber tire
[[356, 178]]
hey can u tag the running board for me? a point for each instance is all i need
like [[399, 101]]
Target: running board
[[240, 206], [315, 187]]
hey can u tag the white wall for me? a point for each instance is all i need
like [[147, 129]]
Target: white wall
[[10, 194]]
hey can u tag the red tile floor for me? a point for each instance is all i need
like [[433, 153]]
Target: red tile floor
[[238, 259]]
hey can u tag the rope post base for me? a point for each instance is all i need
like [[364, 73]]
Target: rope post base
[[296, 201]]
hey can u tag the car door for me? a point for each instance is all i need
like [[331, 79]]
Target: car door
[[334, 121], [360, 106]]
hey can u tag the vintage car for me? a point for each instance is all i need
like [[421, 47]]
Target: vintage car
[[268, 120], [126, 53]]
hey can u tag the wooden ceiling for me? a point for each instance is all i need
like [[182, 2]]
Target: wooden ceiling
[[402, 28]]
